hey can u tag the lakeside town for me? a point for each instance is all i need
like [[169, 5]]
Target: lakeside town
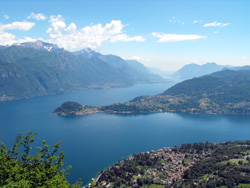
[[161, 168]]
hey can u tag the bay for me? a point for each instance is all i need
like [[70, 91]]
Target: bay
[[94, 142]]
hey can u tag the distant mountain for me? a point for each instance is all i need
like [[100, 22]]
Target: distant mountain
[[222, 92], [134, 69], [39, 68], [2, 47], [162, 73], [247, 67], [87, 53], [194, 70], [42, 46], [138, 66]]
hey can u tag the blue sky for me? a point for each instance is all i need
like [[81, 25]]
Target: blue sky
[[166, 34]]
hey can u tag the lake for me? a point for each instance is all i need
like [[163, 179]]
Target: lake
[[94, 142]]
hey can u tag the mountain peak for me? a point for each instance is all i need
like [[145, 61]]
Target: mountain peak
[[195, 70], [41, 45], [87, 53]]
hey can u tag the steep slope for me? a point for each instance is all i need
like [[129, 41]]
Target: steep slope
[[87, 53], [34, 69], [133, 69]]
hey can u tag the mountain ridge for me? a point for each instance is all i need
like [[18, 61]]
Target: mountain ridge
[[194, 70], [43, 69]]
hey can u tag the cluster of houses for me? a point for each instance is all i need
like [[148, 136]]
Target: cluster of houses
[[169, 168], [173, 164]]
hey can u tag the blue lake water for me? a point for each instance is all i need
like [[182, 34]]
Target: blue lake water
[[94, 142]]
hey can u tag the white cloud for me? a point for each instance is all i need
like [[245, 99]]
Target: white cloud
[[126, 38], [28, 39], [6, 16], [69, 37], [89, 36], [215, 24], [174, 20], [38, 16], [244, 58], [175, 37], [71, 28], [196, 21], [223, 25], [8, 38], [137, 58], [23, 26], [216, 32], [57, 24]]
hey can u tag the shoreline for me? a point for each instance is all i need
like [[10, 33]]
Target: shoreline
[[5, 98], [170, 165]]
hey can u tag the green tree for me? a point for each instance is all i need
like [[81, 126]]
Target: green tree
[[43, 169]]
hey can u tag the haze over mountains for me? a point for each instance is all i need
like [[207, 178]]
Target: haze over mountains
[[193, 70], [39, 68]]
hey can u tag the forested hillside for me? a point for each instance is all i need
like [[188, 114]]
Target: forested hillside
[[39, 68]]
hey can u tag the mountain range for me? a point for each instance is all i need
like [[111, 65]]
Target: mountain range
[[39, 68], [194, 70]]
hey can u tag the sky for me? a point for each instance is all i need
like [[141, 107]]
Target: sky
[[165, 34]]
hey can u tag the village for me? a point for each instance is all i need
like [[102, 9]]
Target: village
[[173, 164], [167, 167]]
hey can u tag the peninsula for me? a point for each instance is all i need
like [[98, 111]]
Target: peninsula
[[222, 92]]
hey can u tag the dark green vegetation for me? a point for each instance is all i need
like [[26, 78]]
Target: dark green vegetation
[[223, 92], [228, 166], [190, 165], [74, 108], [69, 108], [42, 169], [34, 69]]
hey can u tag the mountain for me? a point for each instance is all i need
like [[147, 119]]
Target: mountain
[[222, 92], [246, 67], [42, 46], [194, 70], [87, 53], [138, 66], [133, 69], [162, 73], [39, 68], [2, 47]]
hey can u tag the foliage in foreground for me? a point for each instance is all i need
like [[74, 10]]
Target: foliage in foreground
[[43, 169]]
